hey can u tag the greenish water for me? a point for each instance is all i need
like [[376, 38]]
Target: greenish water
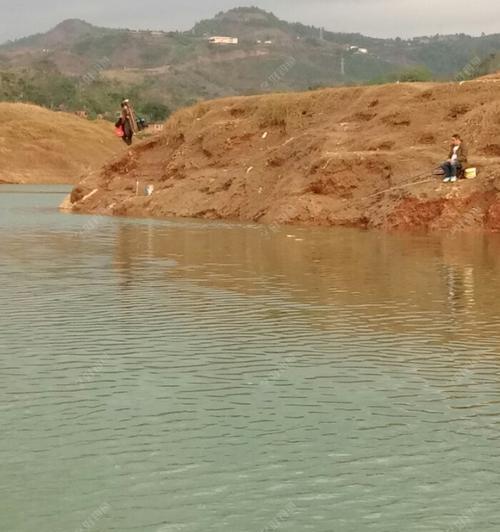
[[160, 376]]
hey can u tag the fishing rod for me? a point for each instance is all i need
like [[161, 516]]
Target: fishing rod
[[404, 185]]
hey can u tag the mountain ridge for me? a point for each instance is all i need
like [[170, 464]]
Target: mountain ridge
[[174, 69]]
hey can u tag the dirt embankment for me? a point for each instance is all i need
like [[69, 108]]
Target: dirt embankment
[[359, 156], [41, 146]]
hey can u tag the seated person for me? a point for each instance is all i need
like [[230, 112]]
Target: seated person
[[457, 160]]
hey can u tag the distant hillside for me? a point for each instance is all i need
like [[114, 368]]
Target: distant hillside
[[166, 70], [490, 65], [62, 35], [40, 146]]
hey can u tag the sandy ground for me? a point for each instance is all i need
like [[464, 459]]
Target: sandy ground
[[41, 146], [361, 156]]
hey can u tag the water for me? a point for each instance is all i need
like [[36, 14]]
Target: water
[[160, 376]]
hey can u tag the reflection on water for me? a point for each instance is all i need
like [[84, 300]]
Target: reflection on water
[[168, 376]]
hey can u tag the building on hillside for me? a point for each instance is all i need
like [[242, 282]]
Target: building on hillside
[[358, 50], [154, 33], [223, 40]]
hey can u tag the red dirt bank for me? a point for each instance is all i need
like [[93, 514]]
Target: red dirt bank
[[350, 156]]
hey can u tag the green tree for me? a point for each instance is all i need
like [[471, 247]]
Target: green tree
[[420, 73], [154, 111]]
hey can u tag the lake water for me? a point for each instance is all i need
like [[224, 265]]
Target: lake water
[[164, 376]]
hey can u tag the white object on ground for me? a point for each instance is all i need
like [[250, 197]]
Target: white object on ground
[[85, 198], [471, 173]]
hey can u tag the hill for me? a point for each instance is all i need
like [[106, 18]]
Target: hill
[[167, 70], [490, 65], [359, 157], [63, 35], [41, 146]]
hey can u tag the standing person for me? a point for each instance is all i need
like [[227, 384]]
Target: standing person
[[456, 161], [126, 122]]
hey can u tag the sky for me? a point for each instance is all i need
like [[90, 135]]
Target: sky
[[380, 18]]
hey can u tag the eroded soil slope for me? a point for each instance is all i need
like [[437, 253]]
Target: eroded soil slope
[[41, 146], [360, 156]]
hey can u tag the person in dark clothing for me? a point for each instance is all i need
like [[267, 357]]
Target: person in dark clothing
[[125, 122], [457, 159]]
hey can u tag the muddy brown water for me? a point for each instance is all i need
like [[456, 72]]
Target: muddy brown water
[[180, 375]]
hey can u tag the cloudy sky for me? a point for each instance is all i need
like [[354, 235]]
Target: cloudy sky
[[385, 18]]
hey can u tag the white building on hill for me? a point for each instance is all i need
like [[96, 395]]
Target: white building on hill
[[221, 40]]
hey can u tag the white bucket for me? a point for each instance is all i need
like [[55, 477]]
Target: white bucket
[[470, 173]]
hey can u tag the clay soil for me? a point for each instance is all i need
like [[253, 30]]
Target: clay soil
[[361, 157], [40, 146]]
